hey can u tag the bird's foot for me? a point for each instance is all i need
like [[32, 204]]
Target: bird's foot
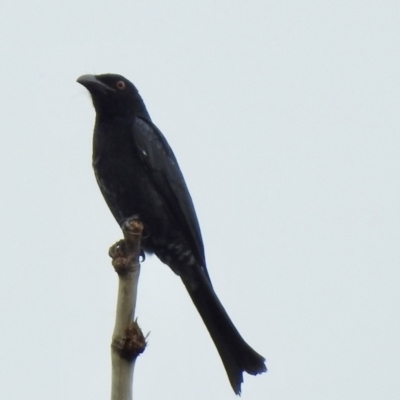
[[119, 255], [126, 253]]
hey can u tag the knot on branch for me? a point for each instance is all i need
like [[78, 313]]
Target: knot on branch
[[132, 344]]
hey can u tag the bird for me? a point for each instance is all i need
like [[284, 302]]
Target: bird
[[138, 175]]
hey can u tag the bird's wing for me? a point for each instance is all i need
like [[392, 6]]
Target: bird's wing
[[162, 166]]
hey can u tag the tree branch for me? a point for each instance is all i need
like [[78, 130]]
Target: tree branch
[[128, 340]]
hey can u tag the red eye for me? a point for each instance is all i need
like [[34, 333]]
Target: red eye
[[120, 85]]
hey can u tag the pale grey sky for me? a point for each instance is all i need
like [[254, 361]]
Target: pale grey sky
[[284, 116]]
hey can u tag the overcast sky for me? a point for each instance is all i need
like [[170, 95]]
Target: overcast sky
[[285, 119]]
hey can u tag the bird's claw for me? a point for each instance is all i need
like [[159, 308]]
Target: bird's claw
[[142, 255], [132, 225]]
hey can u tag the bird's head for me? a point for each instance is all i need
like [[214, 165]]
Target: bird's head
[[113, 95]]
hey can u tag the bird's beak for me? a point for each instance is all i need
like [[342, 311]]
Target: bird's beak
[[92, 84]]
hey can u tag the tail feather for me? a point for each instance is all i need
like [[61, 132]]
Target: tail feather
[[237, 356]]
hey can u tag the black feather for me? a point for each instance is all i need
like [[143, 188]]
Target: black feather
[[138, 174]]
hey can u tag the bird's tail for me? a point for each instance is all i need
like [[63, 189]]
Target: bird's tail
[[237, 356]]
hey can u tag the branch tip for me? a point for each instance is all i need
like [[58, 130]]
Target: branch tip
[[132, 227]]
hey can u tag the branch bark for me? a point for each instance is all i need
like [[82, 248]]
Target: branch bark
[[128, 340]]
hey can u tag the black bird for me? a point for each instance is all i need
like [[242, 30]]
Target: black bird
[[138, 174]]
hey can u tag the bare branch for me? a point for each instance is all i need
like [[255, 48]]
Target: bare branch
[[128, 340]]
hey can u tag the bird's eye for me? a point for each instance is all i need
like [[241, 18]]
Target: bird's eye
[[120, 85]]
